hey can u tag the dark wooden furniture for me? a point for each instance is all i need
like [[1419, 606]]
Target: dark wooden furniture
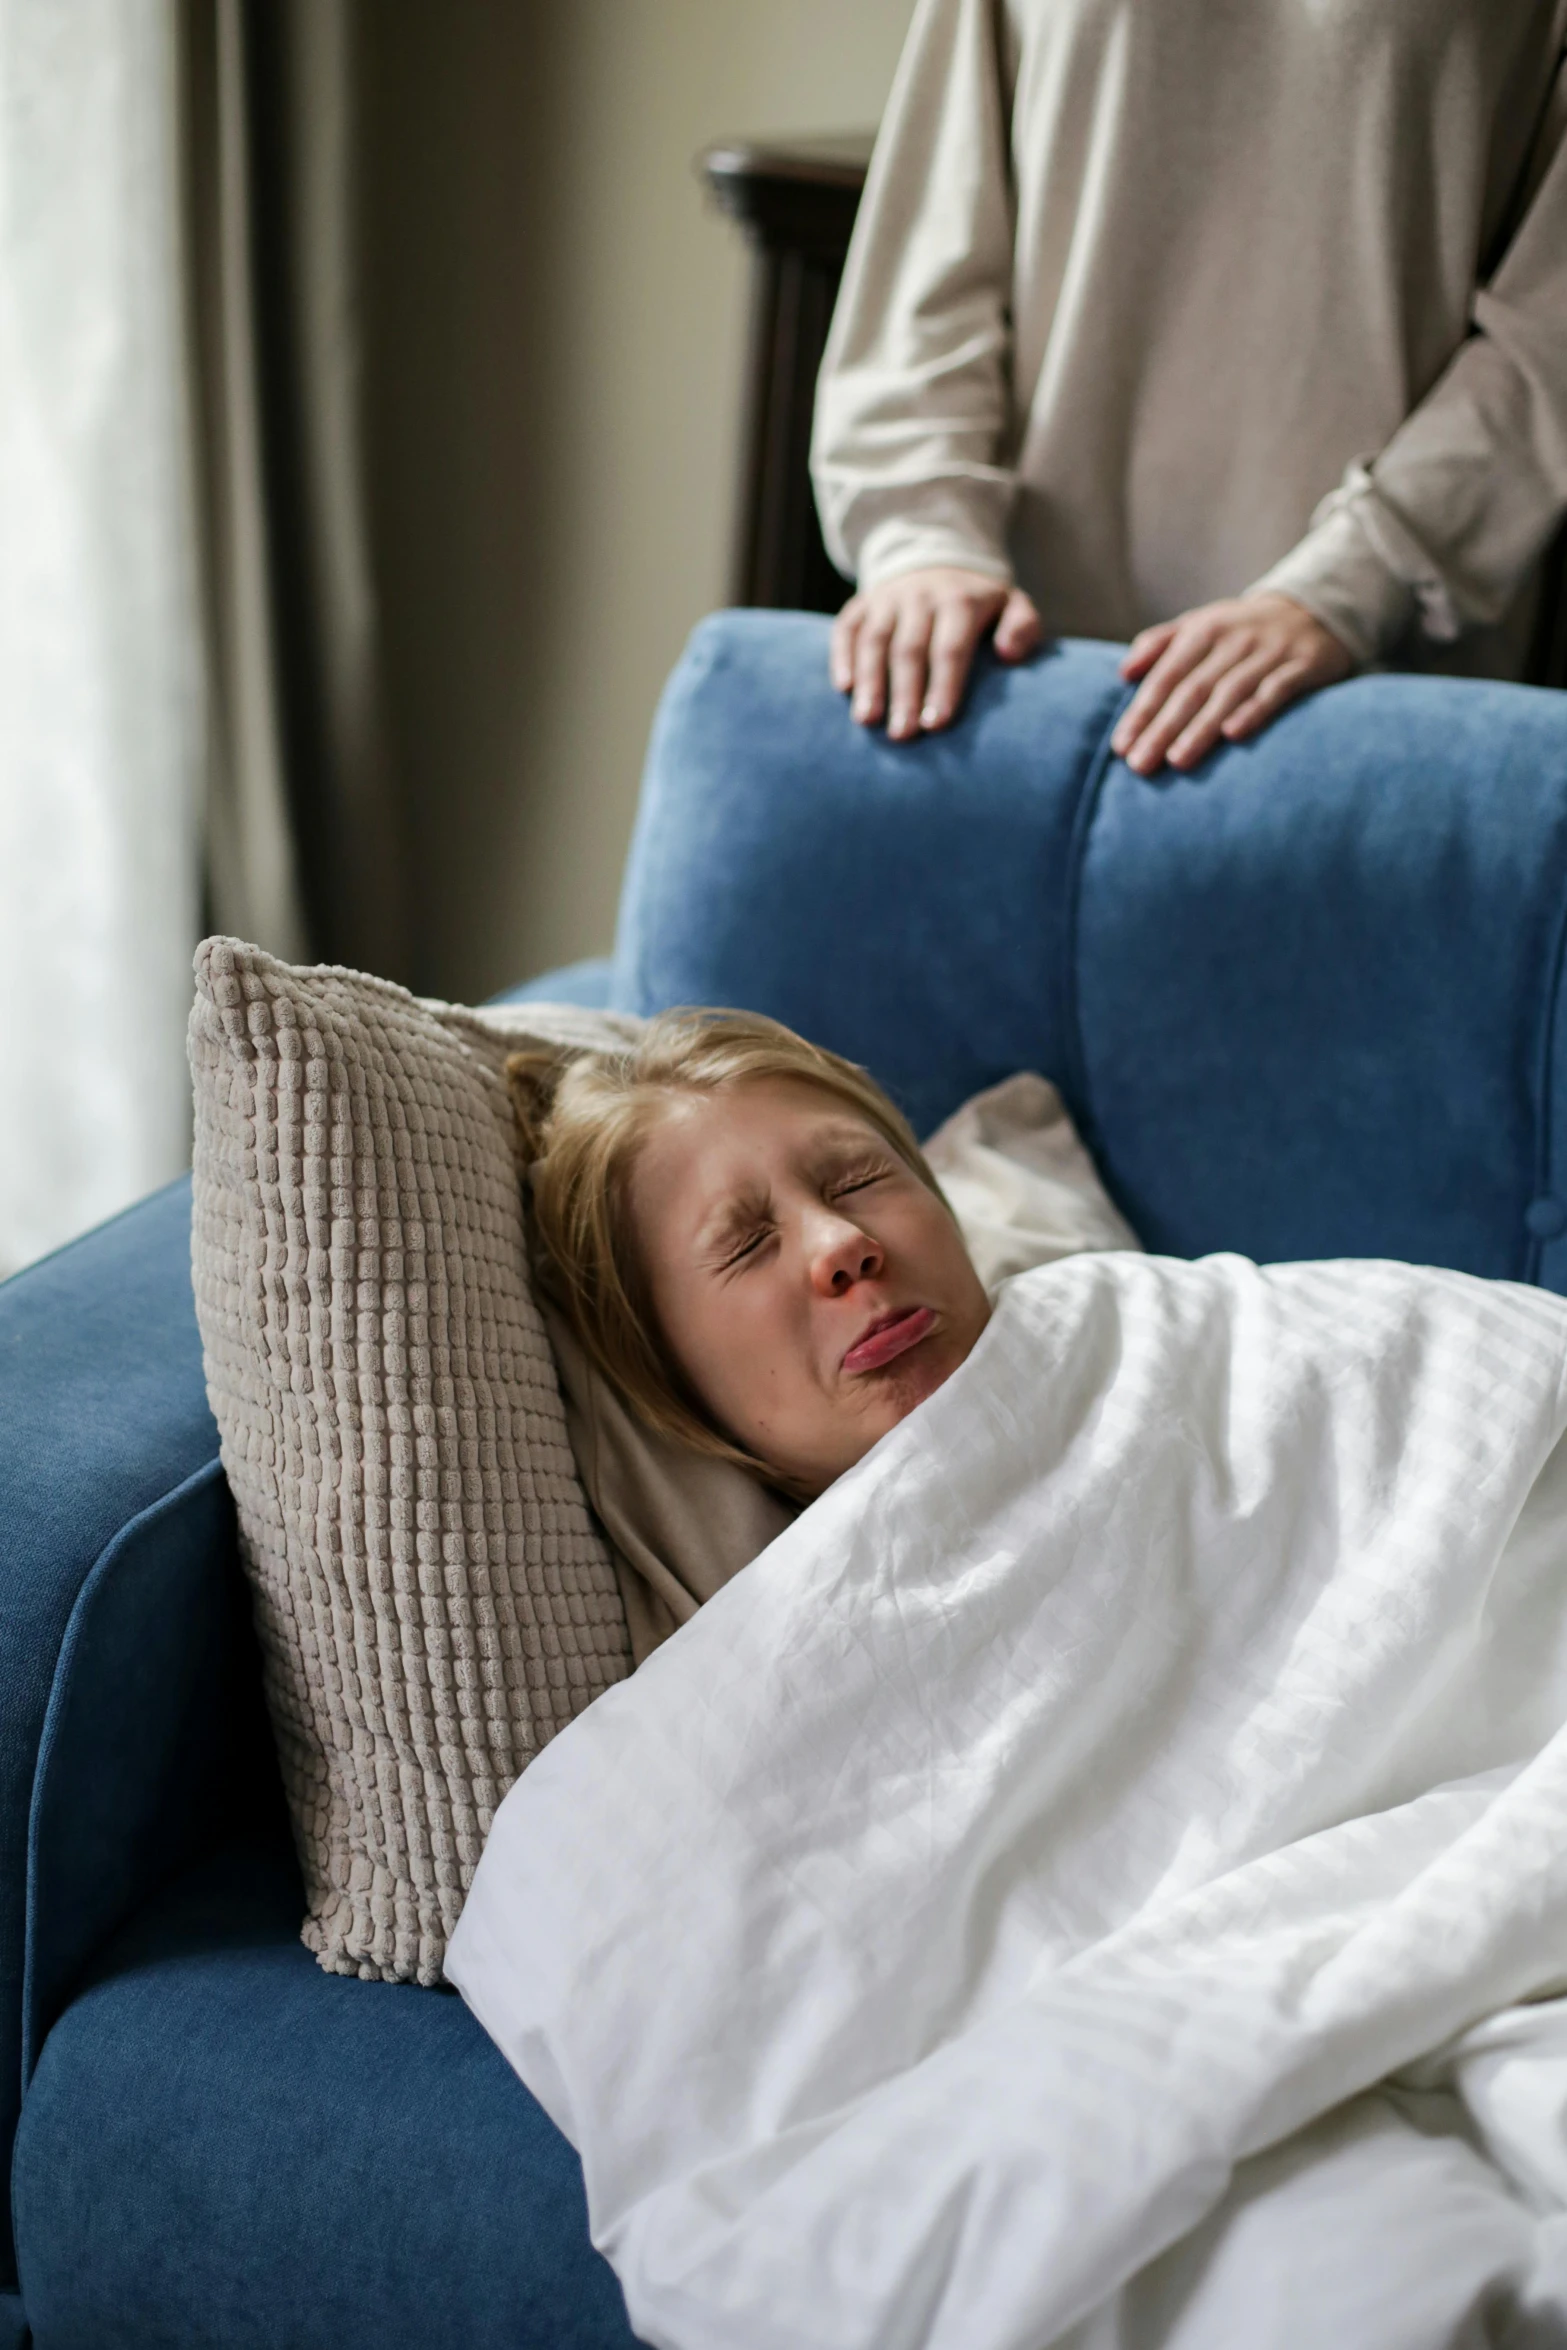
[[796, 203]]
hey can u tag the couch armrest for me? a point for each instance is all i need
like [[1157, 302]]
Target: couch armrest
[[123, 1628]]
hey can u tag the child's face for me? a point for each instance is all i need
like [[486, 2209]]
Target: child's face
[[810, 1286]]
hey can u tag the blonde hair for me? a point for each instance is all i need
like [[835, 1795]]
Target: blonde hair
[[583, 1118]]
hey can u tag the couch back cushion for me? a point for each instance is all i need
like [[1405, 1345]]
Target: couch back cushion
[[1317, 983], [1303, 1002], [905, 905]]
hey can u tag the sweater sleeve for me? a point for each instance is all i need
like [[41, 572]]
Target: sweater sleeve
[[912, 405], [1443, 526]]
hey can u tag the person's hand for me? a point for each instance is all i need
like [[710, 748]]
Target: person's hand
[[1221, 671], [904, 647]]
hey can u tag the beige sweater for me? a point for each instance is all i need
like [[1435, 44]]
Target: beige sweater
[[1150, 301]]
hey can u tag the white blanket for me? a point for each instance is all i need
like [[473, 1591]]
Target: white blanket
[[1153, 1744]]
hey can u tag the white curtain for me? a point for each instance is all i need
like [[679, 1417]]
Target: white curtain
[[101, 727]]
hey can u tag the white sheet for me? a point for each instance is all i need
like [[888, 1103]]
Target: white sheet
[[1155, 1742]]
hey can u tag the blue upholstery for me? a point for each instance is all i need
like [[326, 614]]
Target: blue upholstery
[[155, 1738], [103, 1416], [906, 904], [224, 2146], [588, 984], [1304, 1002], [1316, 985]]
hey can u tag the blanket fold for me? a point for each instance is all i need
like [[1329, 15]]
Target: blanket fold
[[1154, 1743]]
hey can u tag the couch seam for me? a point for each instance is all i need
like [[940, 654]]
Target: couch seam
[[96, 1574], [1544, 1100], [1077, 857]]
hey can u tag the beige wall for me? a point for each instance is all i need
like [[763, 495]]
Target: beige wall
[[556, 321]]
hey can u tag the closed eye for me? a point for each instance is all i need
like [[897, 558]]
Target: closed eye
[[747, 1248], [859, 1181]]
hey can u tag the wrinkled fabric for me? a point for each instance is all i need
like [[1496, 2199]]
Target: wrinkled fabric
[[1155, 1742], [1147, 305]]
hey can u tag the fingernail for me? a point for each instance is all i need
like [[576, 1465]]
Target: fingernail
[[930, 715]]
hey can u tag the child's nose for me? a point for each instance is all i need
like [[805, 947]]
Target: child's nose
[[843, 1256]]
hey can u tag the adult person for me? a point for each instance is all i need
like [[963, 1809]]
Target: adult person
[[1237, 328]]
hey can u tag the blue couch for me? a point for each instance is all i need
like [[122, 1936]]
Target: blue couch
[[1304, 1002]]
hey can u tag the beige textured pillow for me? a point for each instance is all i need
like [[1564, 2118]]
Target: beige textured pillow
[[1021, 1182], [433, 1597]]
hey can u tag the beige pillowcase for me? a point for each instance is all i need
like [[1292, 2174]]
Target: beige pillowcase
[[1020, 1182], [680, 1523], [433, 1596], [1024, 1191]]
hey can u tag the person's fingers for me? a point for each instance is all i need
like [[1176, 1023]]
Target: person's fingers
[[885, 640], [1187, 651], [1277, 690], [1220, 670], [870, 663], [1145, 649], [840, 653], [907, 670], [1180, 656], [1019, 629], [956, 631], [1182, 708], [1236, 685]]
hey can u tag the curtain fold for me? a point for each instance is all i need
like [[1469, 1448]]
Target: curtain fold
[[192, 731], [101, 746], [252, 876], [304, 832]]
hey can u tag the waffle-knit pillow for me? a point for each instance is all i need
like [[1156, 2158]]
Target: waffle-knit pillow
[[433, 1597]]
